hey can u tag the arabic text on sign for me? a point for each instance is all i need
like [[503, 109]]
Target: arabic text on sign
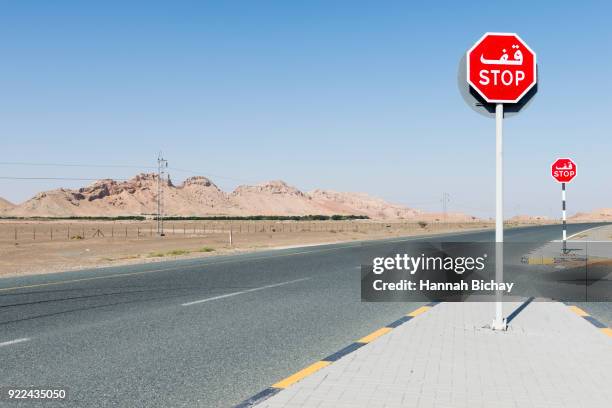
[[503, 60], [568, 166]]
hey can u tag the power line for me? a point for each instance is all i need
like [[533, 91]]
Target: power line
[[57, 178], [126, 166], [445, 199], [75, 165]]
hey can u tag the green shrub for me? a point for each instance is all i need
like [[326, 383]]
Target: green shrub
[[177, 252], [205, 249]]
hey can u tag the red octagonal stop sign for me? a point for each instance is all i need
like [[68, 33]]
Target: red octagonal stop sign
[[563, 170], [501, 67]]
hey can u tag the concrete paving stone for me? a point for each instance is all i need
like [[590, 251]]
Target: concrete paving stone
[[549, 357], [400, 405]]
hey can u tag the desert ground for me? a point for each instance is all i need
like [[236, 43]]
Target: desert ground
[[53, 236], [35, 246]]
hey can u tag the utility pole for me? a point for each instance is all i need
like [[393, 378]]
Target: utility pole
[[445, 200], [162, 164]]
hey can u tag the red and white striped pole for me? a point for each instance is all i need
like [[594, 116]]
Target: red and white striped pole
[[563, 171]]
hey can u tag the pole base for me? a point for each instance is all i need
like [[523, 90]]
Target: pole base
[[499, 325]]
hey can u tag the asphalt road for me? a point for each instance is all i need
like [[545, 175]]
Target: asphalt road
[[206, 333]]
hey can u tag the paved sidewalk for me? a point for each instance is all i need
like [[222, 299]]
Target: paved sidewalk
[[446, 357]]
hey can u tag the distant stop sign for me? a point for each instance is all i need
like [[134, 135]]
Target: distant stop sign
[[501, 67], [563, 170]]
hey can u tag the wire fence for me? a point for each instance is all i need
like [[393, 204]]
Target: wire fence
[[45, 231]]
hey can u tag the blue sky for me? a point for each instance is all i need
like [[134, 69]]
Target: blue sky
[[350, 96]]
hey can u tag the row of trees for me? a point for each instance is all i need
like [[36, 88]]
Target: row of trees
[[315, 217]]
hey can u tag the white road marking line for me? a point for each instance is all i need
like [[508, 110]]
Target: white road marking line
[[582, 232], [8, 343], [210, 299]]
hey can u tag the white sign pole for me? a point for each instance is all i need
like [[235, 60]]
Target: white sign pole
[[499, 323]]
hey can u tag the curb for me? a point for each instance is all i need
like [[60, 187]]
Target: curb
[[599, 325], [313, 368]]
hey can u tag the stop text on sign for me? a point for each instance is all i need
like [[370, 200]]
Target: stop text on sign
[[501, 67], [506, 78]]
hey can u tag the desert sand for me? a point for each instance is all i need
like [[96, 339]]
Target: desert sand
[[601, 214], [33, 247], [536, 219]]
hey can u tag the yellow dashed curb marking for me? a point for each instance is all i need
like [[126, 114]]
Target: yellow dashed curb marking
[[605, 330], [313, 368], [419, 311], [578, 311], [374, 335]]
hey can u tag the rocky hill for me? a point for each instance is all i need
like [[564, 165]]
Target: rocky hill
[[5, 205], [198, 196], [536, 219], [600, 214]]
